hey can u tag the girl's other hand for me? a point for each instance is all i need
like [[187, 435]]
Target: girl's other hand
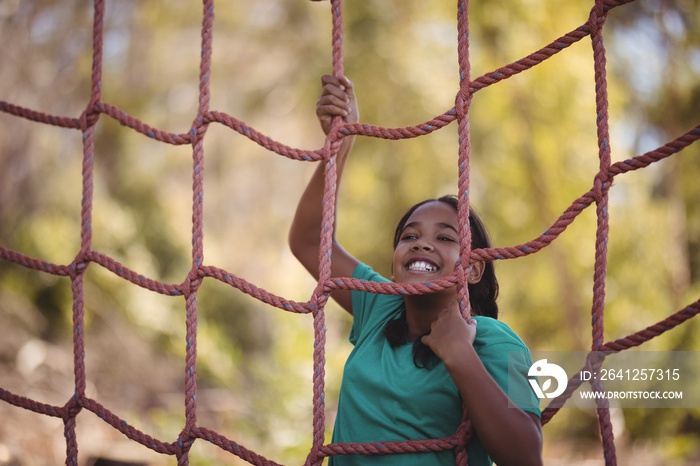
[[337, 99], [451, 335]]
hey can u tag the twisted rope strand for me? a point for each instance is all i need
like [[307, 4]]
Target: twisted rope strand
[[389, 448], [630, 341]]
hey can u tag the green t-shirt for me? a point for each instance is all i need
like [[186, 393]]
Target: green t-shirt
[[384, 397]]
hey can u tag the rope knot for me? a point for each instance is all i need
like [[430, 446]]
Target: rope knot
[[594, 360], [192, 283], [78, 266], [333, 139], [601, 185], [319, 299], [597, 17], [462, 102], [335, 132], [184, 442], [89, 117], [198, 128], [72, 408]]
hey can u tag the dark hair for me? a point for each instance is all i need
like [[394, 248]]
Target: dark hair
[[482, 295]]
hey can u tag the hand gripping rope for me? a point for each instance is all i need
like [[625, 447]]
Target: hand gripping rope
[[188, 289]]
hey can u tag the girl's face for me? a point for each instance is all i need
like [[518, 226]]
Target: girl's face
[[428, 246]]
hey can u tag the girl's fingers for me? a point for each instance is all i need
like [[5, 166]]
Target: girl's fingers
[[332, 105], [333, 99], [337, 86], [337, 99], [330, 111], [337, 92], [330, 79]]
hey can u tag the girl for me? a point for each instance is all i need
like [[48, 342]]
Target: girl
[[416, 361]]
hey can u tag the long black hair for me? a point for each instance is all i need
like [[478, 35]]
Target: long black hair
[[482, 295]]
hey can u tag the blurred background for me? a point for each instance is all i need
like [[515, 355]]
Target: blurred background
[[534, 152]]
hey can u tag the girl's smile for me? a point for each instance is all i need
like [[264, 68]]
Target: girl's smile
[[428, 245]]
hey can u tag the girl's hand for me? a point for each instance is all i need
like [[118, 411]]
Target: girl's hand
[[451, 335], [337, 99]]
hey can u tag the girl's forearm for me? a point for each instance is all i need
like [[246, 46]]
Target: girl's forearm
[[510, 435], [304, 238]]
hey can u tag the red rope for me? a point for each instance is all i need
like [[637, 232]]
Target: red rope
[[199, 271]]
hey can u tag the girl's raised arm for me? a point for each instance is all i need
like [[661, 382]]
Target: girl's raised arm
[[337, 99]]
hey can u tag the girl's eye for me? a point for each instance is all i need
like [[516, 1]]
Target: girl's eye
[[447, 238], [409, 237]]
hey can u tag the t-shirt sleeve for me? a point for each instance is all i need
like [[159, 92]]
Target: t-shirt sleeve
[[508, 360], [363, 302]]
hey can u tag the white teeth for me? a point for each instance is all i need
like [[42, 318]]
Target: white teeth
[[422, 266]]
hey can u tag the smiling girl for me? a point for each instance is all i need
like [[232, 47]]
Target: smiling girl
[[416, 361]]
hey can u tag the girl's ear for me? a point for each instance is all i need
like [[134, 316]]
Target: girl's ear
[[475, 272]]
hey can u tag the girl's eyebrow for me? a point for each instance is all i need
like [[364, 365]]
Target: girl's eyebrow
[[439, 224], [447, 225]]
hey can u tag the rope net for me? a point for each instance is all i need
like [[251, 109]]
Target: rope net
[[188, 288]]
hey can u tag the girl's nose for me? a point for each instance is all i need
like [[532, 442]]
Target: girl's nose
[[422, 246]]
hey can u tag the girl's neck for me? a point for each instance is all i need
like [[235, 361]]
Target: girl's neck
[[422, 310]]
